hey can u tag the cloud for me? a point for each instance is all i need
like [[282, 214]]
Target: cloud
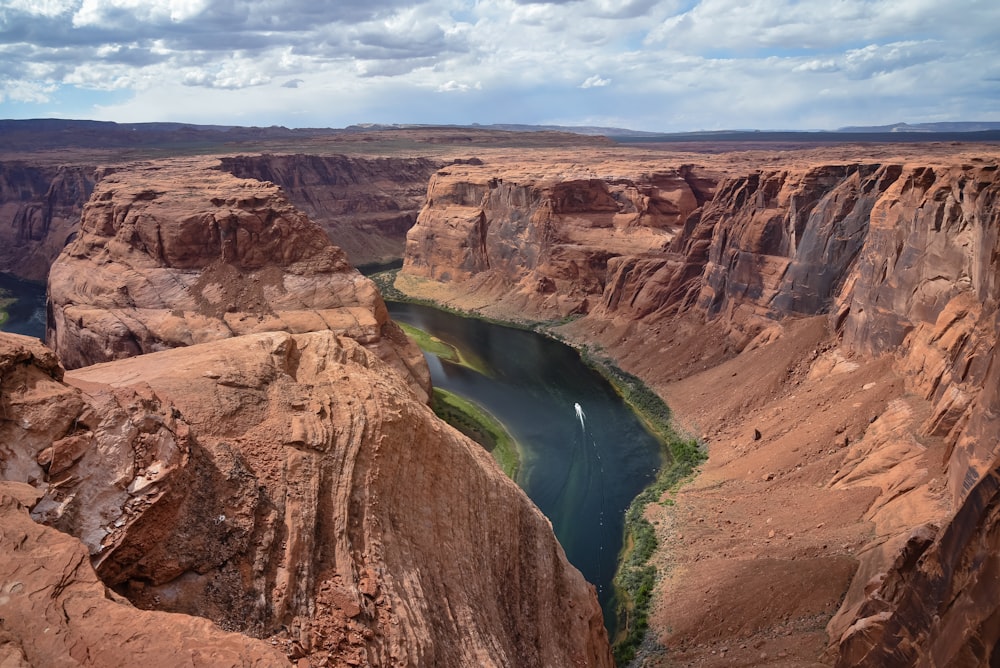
[[457, 87], [674, 64], [19, 91], [595, 81]]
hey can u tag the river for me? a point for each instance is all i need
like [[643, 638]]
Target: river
[[586, 454], [27, 314]]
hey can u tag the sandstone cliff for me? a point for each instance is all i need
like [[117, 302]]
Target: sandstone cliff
[[543, 245], [289, 487], [883, 405], [365, 205], [178, 252], [39, 213]]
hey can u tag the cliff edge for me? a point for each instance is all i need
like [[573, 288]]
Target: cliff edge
[[291, 488], [247, 441]]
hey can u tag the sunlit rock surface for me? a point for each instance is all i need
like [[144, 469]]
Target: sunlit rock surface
[[178, 252], [290, 487]]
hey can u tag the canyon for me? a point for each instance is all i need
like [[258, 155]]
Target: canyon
[[246, 439], [822, 319], [365, 204], [826, 323]]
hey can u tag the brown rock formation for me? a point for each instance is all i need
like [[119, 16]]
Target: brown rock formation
[[885, 407], [938, 603], [39, 213], [365, 205], [177, 253], [57, 613], [290, 487], [543, 244]]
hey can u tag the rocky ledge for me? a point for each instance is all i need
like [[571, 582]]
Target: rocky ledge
[[289, 487]]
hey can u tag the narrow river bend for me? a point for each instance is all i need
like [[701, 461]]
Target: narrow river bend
[[585, 454]]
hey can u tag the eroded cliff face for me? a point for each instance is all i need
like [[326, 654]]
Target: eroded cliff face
[[286, 486], [57, 612], [365, 205], [925, 289], [39, 213], [886, 404], [178, 252], [543, 245]]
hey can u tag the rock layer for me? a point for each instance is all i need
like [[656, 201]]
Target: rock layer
[[177, 252], [57, 613], [544, 244], [292, 487]]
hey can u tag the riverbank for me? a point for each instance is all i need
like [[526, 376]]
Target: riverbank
[[5, 301], [444, 350], [635, 574], [481, 426]]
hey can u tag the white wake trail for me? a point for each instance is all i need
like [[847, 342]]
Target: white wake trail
[[580, 415]]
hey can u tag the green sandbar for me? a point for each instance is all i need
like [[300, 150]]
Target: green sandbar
[[478, 424], [444, 350]]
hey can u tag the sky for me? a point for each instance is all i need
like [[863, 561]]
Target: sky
[[657, 65]]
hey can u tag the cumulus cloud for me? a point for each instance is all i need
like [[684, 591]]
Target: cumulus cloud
[[21, 91], [458, 87], [675, 64], [594, 81]]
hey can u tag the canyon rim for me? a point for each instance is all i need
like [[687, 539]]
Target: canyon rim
[[243, 435]]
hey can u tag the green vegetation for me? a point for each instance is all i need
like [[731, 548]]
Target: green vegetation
[[636, 577], [444, 350], [432, 344], [5, 300], [478, 424], [385, 281]]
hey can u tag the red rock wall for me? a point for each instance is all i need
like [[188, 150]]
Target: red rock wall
[[249, 457], [365, 205], [902, 258], [546, 242], [57, 612], [175, 253], [39, 214], [925, 287]]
